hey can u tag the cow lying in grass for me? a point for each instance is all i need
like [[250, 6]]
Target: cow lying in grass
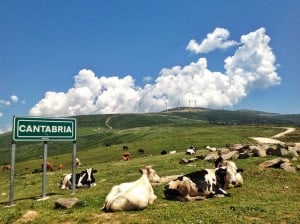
[[234, 175], [205, 183], [134, 195], [198, 185], [83, 179]]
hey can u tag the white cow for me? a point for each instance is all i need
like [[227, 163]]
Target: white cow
[[134, 195]]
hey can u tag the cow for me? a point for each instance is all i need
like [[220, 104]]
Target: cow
[[6, 167], [126, 156], [134, 195], [141, 151], [234, 175], [197, 185], [61, 167], [125, 147], [49, 166], [83, 179], [191, 150], [164, 152], [78, 163]]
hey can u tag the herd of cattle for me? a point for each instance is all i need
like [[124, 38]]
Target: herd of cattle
[[137, 195]]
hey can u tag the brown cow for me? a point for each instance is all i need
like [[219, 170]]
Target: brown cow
[[6, 167], [61, 167], [126, 156], [49, 166]]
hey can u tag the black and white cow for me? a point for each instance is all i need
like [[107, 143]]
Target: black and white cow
[[198, 185], [234, 175], [191, 150], [83, 179]]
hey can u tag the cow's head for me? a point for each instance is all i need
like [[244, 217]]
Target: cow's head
[[177, 189], [233, 176], [151, 174], [228, 177]]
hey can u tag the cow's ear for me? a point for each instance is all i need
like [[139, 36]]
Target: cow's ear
[[218, 161], [180, 178], [94, 171]]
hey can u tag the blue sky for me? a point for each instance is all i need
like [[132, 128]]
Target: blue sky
[[61, 58]]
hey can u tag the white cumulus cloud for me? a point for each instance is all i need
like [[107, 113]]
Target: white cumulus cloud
[[14, 98], [253, 65], [216, 39]]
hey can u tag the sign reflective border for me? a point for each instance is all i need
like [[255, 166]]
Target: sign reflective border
[[44, 129]]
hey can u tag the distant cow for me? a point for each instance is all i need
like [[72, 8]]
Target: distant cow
[[6, 167], [191, 150], [141, 151], [126, 156], [61, 167], [83, 179], [78, 163], [125, 147], [49, 166], [234, 175], [163, 152], [212, 149], [134, 195], [197, 185]]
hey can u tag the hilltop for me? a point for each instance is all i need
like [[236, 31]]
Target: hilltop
[[98, 130]]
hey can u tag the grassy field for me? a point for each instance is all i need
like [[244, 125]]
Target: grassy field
[[268, 196]]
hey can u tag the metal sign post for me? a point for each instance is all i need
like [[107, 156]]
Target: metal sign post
[[74, 168], [12, 173], [44, 170], [42, 129]]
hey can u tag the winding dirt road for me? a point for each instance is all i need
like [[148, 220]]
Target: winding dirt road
[[273, 139]]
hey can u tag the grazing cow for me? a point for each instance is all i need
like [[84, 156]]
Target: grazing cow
[[61, 167], [126, 156], [134, 195], [125, 147], [49, 166], [83, 179], [191, 150], [163, 152], [6, 167], [234, 177], [141, 151], [173, 152], [197, 185]]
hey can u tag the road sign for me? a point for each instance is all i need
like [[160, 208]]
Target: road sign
[[44, 129]]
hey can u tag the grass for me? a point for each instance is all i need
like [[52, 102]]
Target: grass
[[268, 196]]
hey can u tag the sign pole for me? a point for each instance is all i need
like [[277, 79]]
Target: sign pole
[[44, 170], [12, 173], [74, 167]]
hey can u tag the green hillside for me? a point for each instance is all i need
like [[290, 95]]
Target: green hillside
[[100, 141], [141, 129]]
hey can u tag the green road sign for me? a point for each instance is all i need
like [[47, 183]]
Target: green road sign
[[44, 129]]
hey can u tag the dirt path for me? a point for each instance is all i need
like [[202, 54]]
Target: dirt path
[[288, 130], [273, 139]]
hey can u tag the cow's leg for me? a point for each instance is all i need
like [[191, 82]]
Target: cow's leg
[[195, 198], [221, 193]]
